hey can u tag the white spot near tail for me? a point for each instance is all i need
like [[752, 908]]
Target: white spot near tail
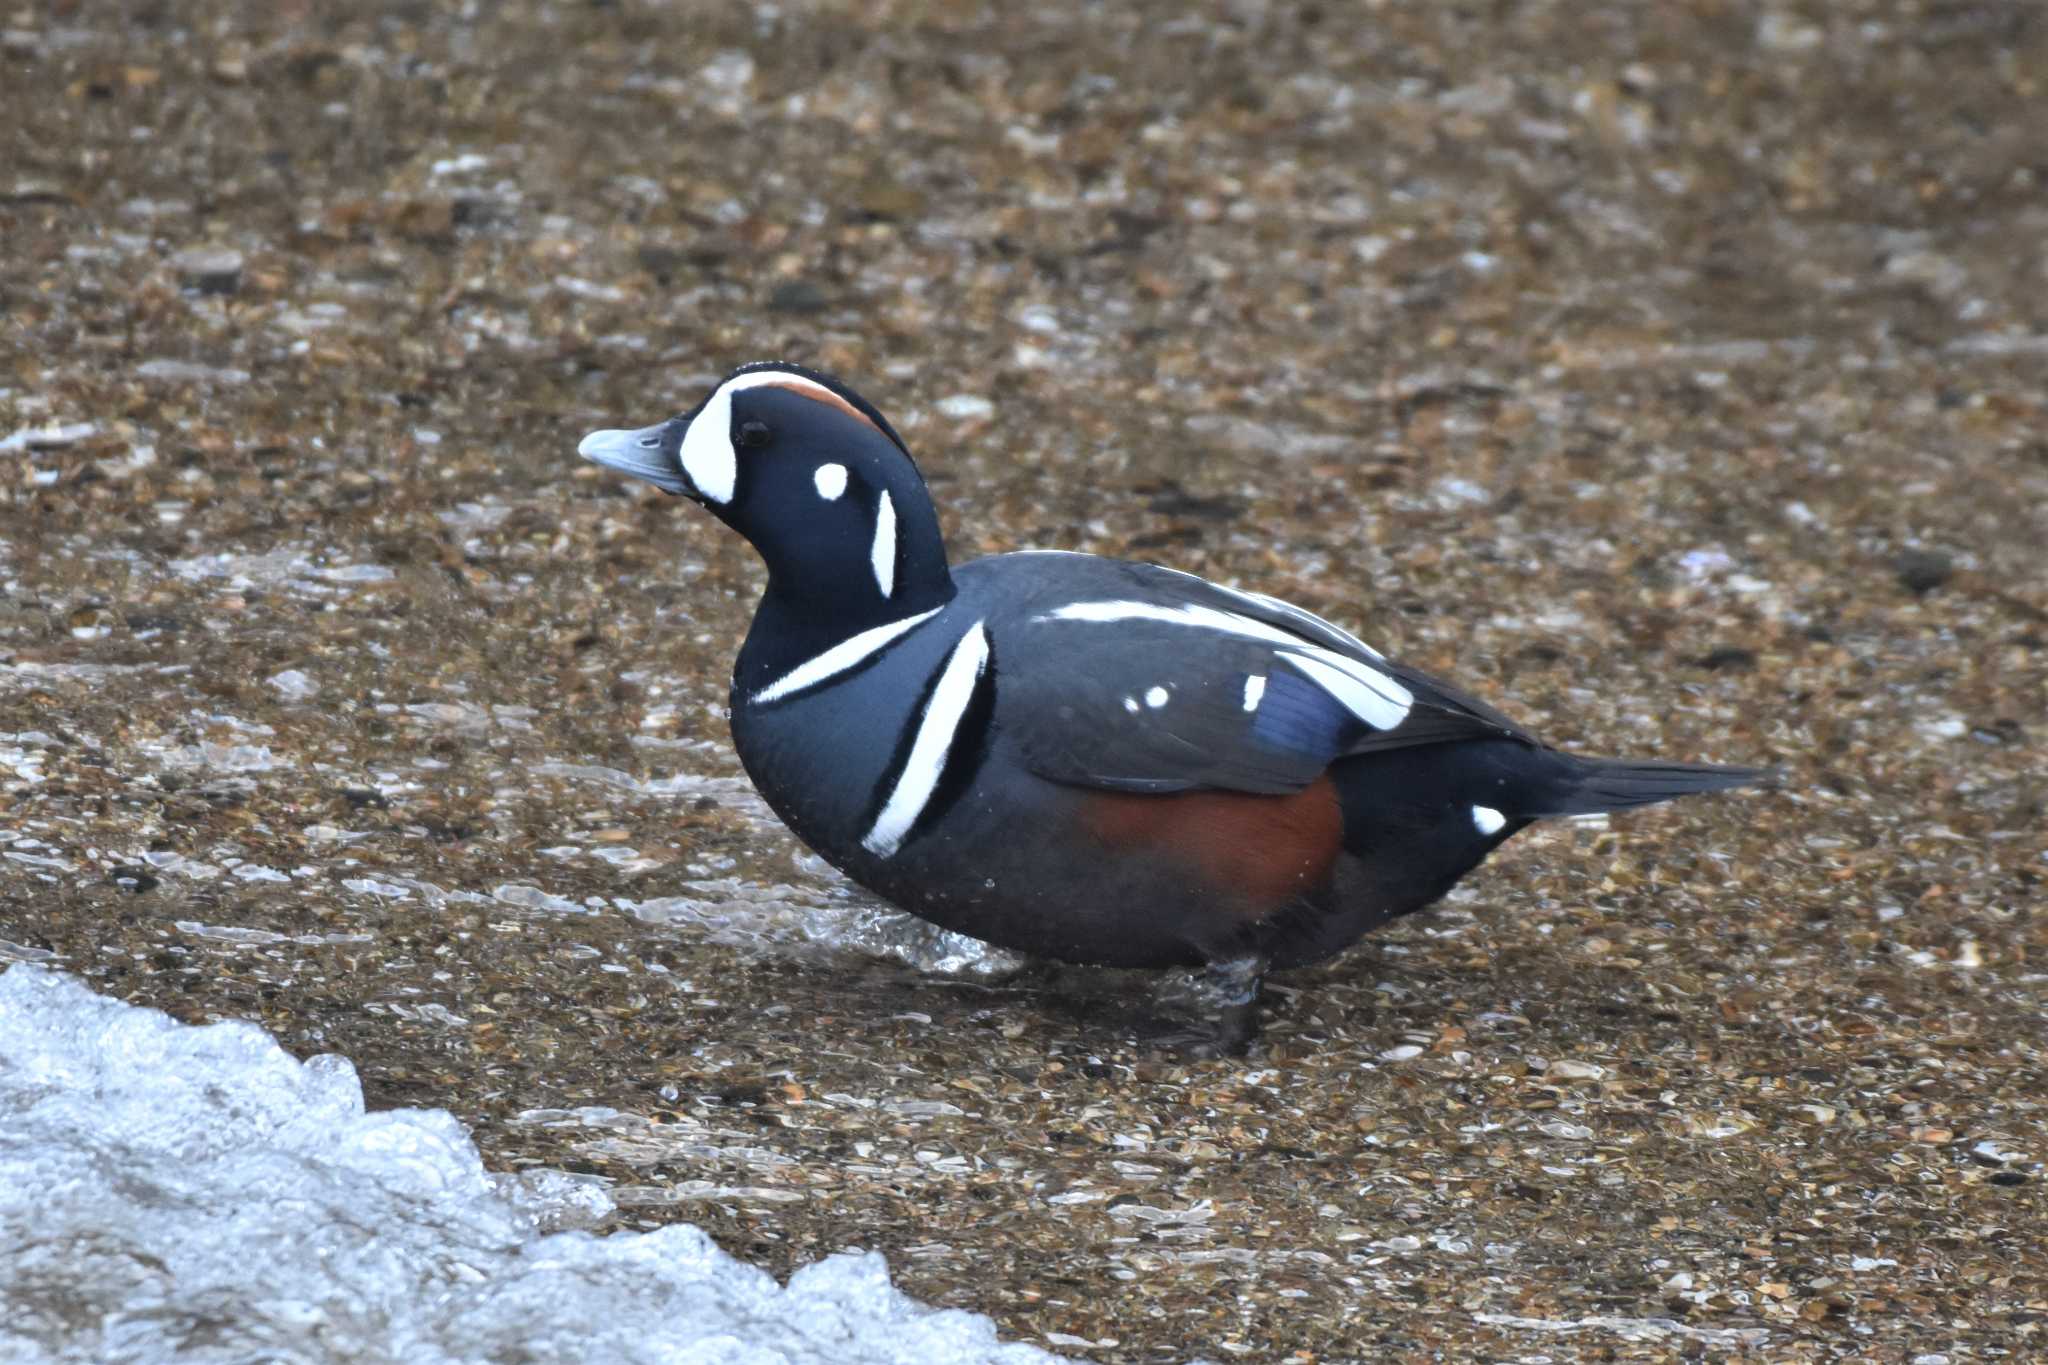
[[1156, 698], [936, 729], [1488, 820], [1254, 688], [883, 554], [831, 481]]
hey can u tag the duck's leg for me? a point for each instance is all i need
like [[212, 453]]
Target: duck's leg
[[1234, 986], [1220, 1004]]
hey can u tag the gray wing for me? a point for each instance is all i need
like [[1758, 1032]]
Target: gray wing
[[1165, 682]]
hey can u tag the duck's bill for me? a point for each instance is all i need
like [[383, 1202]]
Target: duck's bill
[[648, 453]]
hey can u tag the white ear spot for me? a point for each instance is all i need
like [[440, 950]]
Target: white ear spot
[[1156, 698], [1487, 820], [1254, 688], [883, 554], [831, 481]]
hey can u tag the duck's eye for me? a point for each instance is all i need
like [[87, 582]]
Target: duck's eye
[[753, 434]]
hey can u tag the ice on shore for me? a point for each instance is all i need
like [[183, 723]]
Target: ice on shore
[[198, 1193]]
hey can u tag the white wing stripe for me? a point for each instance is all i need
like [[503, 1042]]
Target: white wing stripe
[[839, 658], [1381, 713], [936, 729], [1373, 697], [1288, 609]]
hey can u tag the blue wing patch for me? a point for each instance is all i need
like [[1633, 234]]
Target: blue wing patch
[[1297, 717]]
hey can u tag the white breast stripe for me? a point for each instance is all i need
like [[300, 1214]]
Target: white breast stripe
[[839, 658], [884, 552], [928, 752], [1380, 701], [1254, 688]]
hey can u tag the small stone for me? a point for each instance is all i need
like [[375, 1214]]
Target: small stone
[[293, 684], [798, 296], [1922, 571], [209, 270], [966, 407], [1568, 1132], [188, 372], [888, 202], [1731, 658]]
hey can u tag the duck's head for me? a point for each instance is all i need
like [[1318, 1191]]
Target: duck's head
[[813, 476]]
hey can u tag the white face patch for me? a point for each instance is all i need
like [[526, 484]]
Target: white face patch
[[1487, 820], [933, 743], [830, 481], [1156, 698], [1363, 690], [883, 555], [1254, 688], [842, 656], [707, 456]]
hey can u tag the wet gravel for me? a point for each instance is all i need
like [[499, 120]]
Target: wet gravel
[[1674, 377]]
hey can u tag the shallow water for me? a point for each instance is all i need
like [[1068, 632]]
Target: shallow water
[[1675, 380]]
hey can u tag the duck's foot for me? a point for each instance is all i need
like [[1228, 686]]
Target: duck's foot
[[1223, 1000]]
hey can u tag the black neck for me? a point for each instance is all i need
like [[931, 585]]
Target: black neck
[[796, 622]]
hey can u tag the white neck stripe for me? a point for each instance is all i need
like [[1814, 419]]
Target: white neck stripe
[[883, 553], [937, 728], [840, 657]]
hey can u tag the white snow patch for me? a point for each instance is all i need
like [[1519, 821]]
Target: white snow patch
[[176, 1176]]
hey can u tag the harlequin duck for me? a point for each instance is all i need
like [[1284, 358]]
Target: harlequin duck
[[1086, 759]]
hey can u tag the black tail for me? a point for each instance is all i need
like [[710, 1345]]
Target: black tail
[[1587, 786], [1417, 819]]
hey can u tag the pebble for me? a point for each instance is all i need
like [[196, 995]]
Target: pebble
[[965, 407], [293, 685], [186, 372], [797, 296], [209, 270], [1922, 571], [48, 437]]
